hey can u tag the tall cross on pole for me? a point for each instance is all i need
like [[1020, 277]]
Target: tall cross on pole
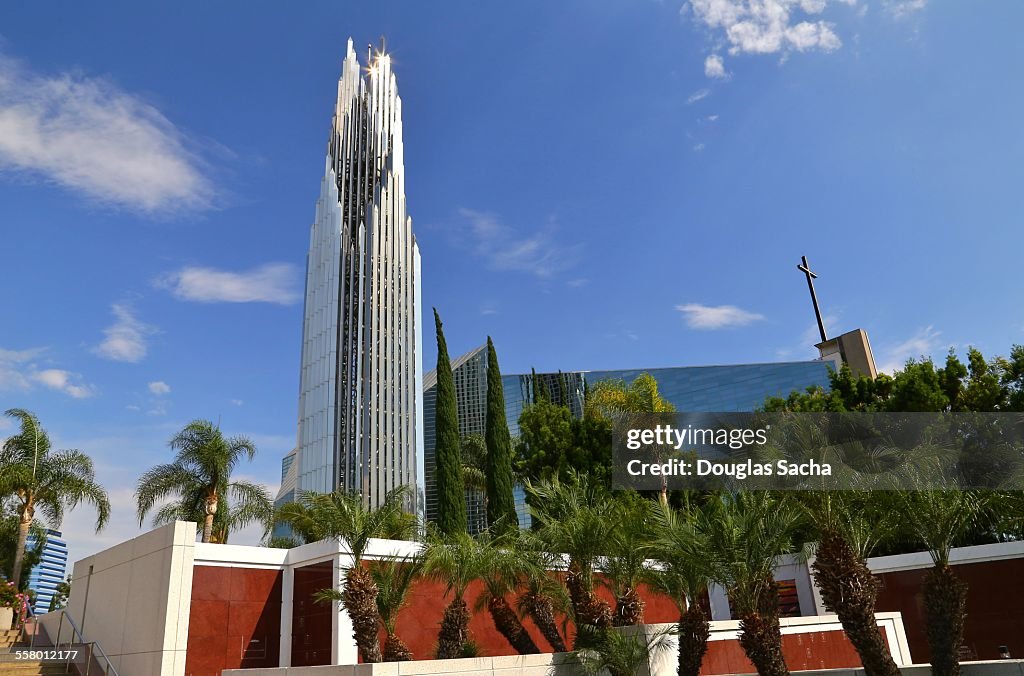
[[805, 268]]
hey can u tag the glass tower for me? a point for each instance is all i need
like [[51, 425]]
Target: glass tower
[[360, 423], [50, 570]]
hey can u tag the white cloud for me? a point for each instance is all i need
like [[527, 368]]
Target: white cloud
[[765, 27], [921, 344], [15, 368], [505, 249], [714, 67], [698, 147], [20, 373], [578, 283], [91, 136], [237, 402], [903, 8], [270, 283], [125, 339], [63, 381], [159, 387], [698, 95], [709, 317]]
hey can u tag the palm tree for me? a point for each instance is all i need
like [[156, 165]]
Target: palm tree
[[394, 579], [849, 526], [10, 522], [200, 477], [746, 532], [256, 505], [626, 403], [343, 517], [503, 568], [938, 519], [542, 593], [628, 549], [456, 560], [684, 576], [474, 461], [617, 653], [37, 477], [575, 517], [639, 396]]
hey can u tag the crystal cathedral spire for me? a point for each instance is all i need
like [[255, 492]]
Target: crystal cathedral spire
[[360, 391]]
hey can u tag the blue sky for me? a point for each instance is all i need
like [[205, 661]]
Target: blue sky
[[624, 183]]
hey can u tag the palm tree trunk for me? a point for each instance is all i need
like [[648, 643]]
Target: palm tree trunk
[[760, 634], [849, 590], [945, 606], [629, 608], [509, 626], [587, 607], [211, 510], [542, 611], [395, 649], [454, 630], [19, 553], [360, 600], [694, 630], [208, 527]]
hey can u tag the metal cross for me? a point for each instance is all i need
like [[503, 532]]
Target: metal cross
[[805, 268]]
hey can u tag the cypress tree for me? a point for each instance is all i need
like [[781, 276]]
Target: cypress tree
[[540, 392], [501, 505], [451, 488]]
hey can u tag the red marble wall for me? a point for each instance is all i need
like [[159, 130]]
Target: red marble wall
[[420, 620], [995, 613], [234, 621], [311, 621], [812, 650]]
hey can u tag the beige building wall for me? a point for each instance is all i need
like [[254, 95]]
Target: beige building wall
[[133, 599]]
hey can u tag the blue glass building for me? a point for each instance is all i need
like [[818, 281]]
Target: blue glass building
[[698, 389], [50, 571]]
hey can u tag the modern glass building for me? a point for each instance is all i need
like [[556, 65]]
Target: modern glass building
[[50, 571], [360, 421], [286, 493], [469, 373], [698, 389]]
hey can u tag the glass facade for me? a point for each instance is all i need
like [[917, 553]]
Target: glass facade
[[286, 493], [711, 389], [49, 572], [720, 389]]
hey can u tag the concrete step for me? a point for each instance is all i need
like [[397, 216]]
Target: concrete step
[[33, 669]]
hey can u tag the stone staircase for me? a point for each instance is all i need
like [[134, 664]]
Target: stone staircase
[[10, 665]]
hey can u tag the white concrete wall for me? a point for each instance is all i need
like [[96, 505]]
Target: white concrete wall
[[134, 599], [666, 659], [663, 661], [514, 665]]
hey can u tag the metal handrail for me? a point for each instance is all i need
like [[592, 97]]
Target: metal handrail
[[108, 670]]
